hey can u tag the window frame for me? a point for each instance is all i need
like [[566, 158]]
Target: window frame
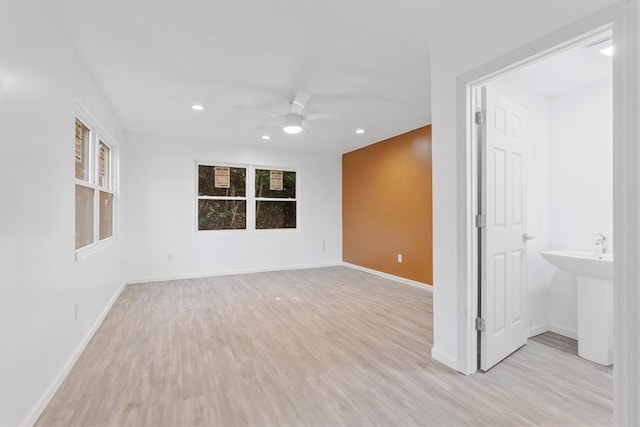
[[250, 197], [98, 135], [276, 199], [245, 198], [102, 138], [85, 183]]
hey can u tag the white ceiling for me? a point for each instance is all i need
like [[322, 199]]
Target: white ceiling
[[367, 61], [572, 69]]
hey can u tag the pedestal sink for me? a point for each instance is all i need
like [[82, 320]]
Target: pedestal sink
[[594, 274]]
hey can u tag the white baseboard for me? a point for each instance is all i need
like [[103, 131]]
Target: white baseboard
[[424, 286], [565, 332], [441, 357], [537, 330], [35, 413], [228, 273]]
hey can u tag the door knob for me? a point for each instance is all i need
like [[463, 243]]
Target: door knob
[[526, 237]]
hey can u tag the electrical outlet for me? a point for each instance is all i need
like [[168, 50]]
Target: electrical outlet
[[75, 311], [324, 246], [170, 257], [400, 258]]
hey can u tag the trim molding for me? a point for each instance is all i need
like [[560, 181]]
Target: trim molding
[[565, 332], [626, 219], [444, 358], [228, 273], [424, 286], [35, 413], [537, 330]]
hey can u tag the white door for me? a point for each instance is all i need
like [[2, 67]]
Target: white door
[[503, 292]]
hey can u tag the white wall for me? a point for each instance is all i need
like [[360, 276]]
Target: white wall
[[39, 279], [470, 35], [581, 190], [160, 177], [538, 269]]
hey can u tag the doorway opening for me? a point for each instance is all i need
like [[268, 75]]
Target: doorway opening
[[623, 20], [472, 98], [544, 144]]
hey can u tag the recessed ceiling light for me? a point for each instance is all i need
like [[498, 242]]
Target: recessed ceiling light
[[607, 51], [266, 137], [601, 45], [359, 131], [197, 107]]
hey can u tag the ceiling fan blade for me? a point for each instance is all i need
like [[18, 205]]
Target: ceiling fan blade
[[299, 102], [306, 127], [320, 116], [268, 125], [269, 113]]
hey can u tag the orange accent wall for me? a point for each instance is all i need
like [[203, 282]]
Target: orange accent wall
[[387, 206]]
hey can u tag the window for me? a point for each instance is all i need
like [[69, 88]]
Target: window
[[104, 159], [222, 198], [82, 151], [275, 199], [226, 200], [84, 190], [105, 184], [95, 187], [84, 216]]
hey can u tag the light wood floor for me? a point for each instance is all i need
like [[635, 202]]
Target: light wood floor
[[323, 347]]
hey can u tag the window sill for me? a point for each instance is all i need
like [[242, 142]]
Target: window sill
[[87, 251], [255, 230]]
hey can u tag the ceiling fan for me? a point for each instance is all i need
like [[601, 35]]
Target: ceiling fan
[[294, 121]]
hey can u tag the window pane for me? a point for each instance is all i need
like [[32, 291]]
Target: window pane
[[275, 184], [221, 181], [104, 173], [275, 215], [84, 216], [82, 151], [106, 215], [222, 215]]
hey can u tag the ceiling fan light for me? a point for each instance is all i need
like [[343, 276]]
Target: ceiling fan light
[[292, 129], [292, 124]]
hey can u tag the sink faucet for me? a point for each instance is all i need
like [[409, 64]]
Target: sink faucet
[[602, 242]]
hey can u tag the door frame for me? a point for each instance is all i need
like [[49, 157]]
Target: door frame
[[623, 19]]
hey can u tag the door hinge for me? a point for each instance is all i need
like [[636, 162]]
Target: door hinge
[[480, 325], [480, 117], [481, 221]]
